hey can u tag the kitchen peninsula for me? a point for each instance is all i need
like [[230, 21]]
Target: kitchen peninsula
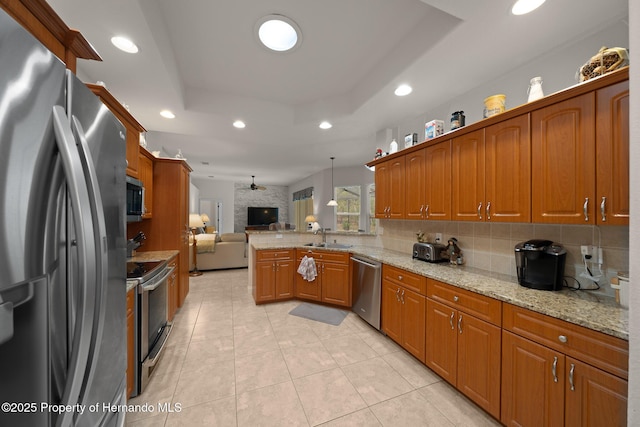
[[493, 334]]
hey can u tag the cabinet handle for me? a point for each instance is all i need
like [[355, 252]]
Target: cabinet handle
[[488, 210], [562, 338], [554, 369], [426, 212], [602, 209], [460, 324], [273, 267], [421, 210], [572, 385], [480, 210], [400, 277], [456, 298], [402, 296], [453, 314], [585, 209], [398, 294]]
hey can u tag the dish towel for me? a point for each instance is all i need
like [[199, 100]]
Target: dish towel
[[307, 269]]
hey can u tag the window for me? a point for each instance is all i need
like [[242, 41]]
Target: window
[[373, 222], [348, 209], [302, 207]]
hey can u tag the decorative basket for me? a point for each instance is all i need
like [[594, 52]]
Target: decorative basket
[[605, 61]]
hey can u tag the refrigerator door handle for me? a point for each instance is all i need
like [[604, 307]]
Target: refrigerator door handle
[[83, 221], [101, 247]]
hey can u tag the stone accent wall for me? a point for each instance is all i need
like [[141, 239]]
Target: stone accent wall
[[274, 196]]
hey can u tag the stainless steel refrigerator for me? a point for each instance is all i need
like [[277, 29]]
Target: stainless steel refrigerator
[[62, 243]]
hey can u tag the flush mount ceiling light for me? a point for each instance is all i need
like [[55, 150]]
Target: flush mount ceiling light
[[279, 33], [167, 114], [403, 90], [325, 125], [522, 7], [124, 44], [239, 124]]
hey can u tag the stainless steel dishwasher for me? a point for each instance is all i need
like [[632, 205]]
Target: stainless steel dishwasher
[[367, 275]]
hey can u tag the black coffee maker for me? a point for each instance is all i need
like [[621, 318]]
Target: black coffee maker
[[540, 264]]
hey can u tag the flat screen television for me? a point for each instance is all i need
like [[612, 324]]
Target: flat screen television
[[261, 216]]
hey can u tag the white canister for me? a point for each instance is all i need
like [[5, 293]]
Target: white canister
[[535, 89], [623, 282], [393, 147]]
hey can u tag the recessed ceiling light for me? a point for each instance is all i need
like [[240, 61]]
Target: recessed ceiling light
[[124, 44], [403, 90], [167, 114], [325, 125], [239, 124], [522, 7], [279, 33]]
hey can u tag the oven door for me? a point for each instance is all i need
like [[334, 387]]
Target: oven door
[[154, 329]]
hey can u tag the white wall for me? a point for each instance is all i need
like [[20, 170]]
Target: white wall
[[557, 70], [321, 183], [634, 228], [218, 191]]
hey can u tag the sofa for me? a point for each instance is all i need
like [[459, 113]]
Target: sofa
[[219, 251]]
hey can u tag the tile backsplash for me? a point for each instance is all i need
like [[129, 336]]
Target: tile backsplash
[[489, 246]]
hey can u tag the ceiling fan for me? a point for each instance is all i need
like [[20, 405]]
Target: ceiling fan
[[254, 186]]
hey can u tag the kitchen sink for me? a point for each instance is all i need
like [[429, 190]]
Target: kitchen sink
[[329, 245]]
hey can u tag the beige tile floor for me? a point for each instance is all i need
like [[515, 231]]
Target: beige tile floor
[[232, 363]]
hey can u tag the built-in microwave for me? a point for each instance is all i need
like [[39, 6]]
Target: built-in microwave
[[135, 200]]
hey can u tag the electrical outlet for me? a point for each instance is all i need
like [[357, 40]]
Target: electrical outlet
[[590, 253], [438, 237]]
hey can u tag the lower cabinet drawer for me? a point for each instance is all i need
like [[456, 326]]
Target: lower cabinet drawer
[[608, 353], [480, 306]]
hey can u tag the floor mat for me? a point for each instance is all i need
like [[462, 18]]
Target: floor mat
[[319, 313]]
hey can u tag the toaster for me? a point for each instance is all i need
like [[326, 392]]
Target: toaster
[[430, 252]]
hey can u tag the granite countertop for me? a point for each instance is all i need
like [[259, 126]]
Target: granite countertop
[[584, 308], [153, 256]]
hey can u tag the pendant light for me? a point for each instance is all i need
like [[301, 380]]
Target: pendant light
[[332, 202]]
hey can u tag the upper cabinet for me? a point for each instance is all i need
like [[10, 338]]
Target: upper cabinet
[[563, 165], [563, 159], [145, 174], [390, 191], [130, 123], [612, 154], [45, 25]]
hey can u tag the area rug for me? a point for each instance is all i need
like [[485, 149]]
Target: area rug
[[319, 313]]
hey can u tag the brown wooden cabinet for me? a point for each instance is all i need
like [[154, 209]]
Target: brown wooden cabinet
[[169, 227], [463, 342], [612, 154], [131, 342], [390, 189], [132, 126], [467, 176], [37, 17], [563, 174], [145, 174], [172, 289], [274, 275], [580, 376], [491, 173], [333, 282], [507, 169], [428, 183], [403, 309]]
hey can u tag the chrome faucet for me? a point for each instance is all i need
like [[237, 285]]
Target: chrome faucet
[[324, 234]]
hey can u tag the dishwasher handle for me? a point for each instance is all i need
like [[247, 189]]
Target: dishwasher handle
[[368, 264]]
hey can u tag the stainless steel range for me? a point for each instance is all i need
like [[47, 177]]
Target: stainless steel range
[[152, 327]]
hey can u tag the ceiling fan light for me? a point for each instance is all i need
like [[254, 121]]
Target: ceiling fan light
[[522, 7]]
